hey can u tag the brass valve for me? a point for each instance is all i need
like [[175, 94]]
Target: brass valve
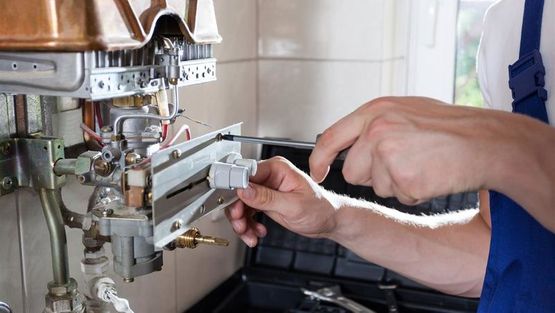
[[192, 238]]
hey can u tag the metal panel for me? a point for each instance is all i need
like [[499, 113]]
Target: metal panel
[[180, 190], [11, 282], [80, 75]]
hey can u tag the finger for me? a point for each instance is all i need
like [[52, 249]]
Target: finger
[[272, 172], [249, 238], [239, 226], [262, 198], [381, 180], [335, 139], [236, 210], [261, 230], [357, 168]]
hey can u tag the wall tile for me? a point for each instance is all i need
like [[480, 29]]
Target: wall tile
[[229, 100], [321, 29], [11, 285], [300, 99], [237, 26]]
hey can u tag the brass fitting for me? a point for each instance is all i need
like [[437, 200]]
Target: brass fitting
[[192, 238]]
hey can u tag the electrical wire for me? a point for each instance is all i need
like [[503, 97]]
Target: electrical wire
[[98, 115], [183, 129], [91, 132]]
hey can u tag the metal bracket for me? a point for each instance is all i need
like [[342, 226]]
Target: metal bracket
[[29, 162], [180, 190]]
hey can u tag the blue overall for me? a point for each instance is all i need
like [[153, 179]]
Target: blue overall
[[520, 274]]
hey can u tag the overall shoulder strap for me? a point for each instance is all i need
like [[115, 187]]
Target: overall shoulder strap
[[527, 75]]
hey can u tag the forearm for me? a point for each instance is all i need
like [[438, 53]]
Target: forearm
[[446, 252], [524, 169]]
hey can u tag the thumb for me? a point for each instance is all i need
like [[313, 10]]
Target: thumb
[[262, 198]]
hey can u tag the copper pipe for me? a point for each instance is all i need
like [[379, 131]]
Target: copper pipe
[[89, 119], [21, 115]]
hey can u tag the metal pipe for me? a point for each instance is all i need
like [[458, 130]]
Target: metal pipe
[[71, 219], [118, 123], [58, 242], [65, 167]]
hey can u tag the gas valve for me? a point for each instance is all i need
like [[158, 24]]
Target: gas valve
[[192, 238]]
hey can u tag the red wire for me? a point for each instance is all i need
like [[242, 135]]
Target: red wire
[[164, 131], [98, 115]]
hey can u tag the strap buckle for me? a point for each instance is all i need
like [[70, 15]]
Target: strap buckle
[[527, 77]]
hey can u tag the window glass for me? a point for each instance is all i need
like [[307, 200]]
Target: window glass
[[469, 29]]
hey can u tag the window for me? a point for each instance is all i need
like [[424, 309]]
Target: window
[[469, 30]]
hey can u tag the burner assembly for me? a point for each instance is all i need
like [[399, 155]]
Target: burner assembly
[[116, 67]]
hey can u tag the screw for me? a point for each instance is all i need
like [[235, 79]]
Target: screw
[[7, 183], [176, 225], [221, 200], [101, 84], [128, 279], [107, 212], [176, 154]]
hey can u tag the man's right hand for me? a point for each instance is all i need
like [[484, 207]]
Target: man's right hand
[[288, 196]]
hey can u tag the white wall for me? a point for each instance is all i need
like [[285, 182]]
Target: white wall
[[320, 60]]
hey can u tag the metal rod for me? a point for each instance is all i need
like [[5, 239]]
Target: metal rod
[[270, 141], [71, 219], [281, 142], [58, 241], [65, 167]]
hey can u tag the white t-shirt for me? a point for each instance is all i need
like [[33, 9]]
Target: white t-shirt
[[500, 46]]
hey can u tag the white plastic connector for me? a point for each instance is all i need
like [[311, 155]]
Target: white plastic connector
[[228, 176], [106, 291], [163, 106]]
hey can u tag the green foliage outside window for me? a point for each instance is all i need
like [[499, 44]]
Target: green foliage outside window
[[469, 29]]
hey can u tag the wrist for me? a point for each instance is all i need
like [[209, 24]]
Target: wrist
[[345, 220]]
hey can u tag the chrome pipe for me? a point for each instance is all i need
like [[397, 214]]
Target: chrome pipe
[[58, 241]]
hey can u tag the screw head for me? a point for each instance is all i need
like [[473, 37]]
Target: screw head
[[177, 224], [176, 154], [7, 183], [221, 200], [5, 148], [107, 212]]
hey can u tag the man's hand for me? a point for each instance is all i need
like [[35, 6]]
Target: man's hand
[[412, 148], [288, 196]]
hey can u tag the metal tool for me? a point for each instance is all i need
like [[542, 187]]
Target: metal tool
[[281, 142], [271, 141], [333, 295]]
